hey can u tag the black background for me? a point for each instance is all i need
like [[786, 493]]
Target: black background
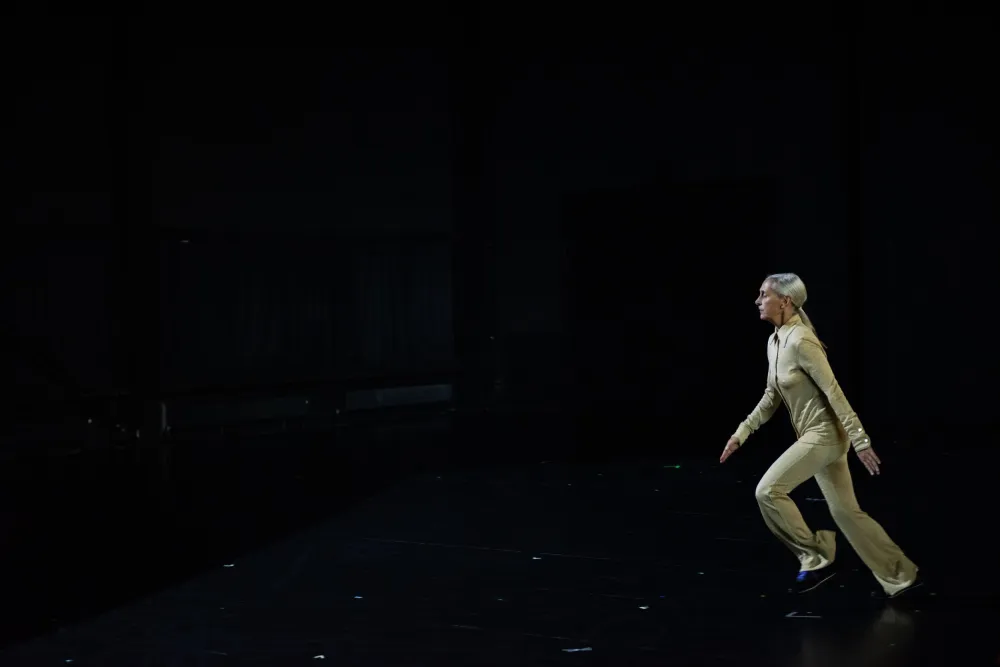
[[578, 206]]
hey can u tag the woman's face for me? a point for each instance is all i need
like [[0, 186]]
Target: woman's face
[[770, 304]]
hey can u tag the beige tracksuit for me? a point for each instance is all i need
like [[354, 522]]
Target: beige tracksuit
[[800, 376]]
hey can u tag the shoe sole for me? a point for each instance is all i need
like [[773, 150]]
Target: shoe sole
[[819, 583], [905, 590]]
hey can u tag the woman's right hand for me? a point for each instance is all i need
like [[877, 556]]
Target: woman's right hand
[[731, 447]]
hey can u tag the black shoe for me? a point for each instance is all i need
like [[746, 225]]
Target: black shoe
[[811, 579]]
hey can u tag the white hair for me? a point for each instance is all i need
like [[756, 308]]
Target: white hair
[[791, 286]]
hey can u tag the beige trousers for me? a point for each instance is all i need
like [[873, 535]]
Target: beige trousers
[[828, 464]]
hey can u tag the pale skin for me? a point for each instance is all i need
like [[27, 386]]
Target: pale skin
[[776, 309]]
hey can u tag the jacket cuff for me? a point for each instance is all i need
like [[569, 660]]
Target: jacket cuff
[[742, 433], [860, 440]]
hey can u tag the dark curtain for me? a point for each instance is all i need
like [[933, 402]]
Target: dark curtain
[[56, 329], [266, 310]]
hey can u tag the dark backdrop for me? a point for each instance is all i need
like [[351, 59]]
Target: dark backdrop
[[492, 196], [659, 325]]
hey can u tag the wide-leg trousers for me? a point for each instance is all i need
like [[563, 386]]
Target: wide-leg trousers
[[828, 464]]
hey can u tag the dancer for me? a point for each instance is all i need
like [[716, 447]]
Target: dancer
[[799, 376]]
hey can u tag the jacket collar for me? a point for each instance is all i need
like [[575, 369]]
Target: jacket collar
[[781, 333]]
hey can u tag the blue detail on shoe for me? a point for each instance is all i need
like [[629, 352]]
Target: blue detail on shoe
[[802, 576]]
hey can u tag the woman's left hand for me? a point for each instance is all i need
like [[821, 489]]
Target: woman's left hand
[[870, 459]]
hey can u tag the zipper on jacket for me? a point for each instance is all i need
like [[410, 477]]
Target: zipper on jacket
[[791, 417]]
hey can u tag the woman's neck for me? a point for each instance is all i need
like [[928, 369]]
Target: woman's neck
[[784, 317]]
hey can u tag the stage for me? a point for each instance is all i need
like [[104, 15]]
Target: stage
[[391, 550]]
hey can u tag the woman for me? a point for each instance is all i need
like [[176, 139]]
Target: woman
[[799, 376]]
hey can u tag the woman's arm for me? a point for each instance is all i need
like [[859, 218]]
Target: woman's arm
[[765, 410], [813, 360]]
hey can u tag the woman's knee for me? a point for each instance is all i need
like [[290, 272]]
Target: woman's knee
[[766, 492]]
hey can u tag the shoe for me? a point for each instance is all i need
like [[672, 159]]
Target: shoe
[[882, 595], [808, 580]]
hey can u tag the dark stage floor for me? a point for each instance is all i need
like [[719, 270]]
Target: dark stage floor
[[277, 551]]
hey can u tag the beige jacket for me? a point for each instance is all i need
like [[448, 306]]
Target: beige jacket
[[799, 375]]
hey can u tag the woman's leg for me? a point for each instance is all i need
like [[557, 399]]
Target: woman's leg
[[887, 562], [799, 462]]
